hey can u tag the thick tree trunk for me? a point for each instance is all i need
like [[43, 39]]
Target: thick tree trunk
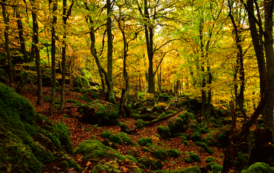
[[53, 52], [268, 44], [6, 34], [37, 54]]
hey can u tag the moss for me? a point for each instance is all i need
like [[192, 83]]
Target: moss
[[105, 134], [30, 129], [188, 160], [177, 125], [125, 138], [185, 135], [159, 153], [204, 146], [196, 137], [259, 167], [65, 164], [194, 169], [162, 115], [163, 131], [145, 141], [186, 116], [140, 123], [116, 139], [216, 168], [195, 128], [195, 157], [150, 163], [173, 153], [210, 159], [209, 141], [145, 149], [71, 101]]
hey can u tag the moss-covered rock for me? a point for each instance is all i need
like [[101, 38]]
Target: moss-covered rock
[[195, 157], [173, 153], [25, 146], [164, 131], [159, 153], [105, 134], [145, 149], [196, 137], [216, 168], [186, 116], [194, 127], [193, 169], [186, 136], [145, 141], [177, 125], [140, 123], [204, 146], [259, 167], [150, 163], [116, 139], [188, 160], [210, 159]]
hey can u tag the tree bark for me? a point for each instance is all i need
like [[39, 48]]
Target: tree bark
[[37, 54], [53, 52], [64, 67], [6, 34]]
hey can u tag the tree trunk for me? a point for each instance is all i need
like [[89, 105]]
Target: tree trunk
[[37, 54], [103, 83], [6, 34], [268, 44], [64, 67], [53, 51]]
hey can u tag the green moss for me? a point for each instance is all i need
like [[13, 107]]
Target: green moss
[[105, 134], [145, 141], [177, 125], [216, 168], [195, 157], [204, 146], [71, 101], [30, 129], [145, 149], [125, 138], [116, 139], [173, 153], [209, 141], [159, 153], [195, 128], [162, 115], [140, 123], [164, 131], [185, 135], [194, 169], [188, 160], [210, 159], [259, 167], [196, 137], [150, 163]]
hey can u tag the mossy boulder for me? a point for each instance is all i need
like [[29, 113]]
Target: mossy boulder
[[163, 97], [188, 160], [159, 153], [145, 141], [177, 125], [196, 137], [24, 145], [186, 116], [195, 157], [151, 163], [106, 134], [140, 123], [120, 138], [259, 167], [105, 114], [205, 147], [194, 127], [164, 131], [210, 159], [145, 149], [173, 153], [194, 169], [216, 168]]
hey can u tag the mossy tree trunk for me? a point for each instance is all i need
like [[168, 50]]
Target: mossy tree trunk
[[53, 52], [6, 34], [94, 53], [37, 53], [64, 67], [24, 79]]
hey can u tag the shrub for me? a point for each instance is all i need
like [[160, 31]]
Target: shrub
[[163, 131]]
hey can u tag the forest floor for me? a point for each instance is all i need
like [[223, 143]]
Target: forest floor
[[81, 132]]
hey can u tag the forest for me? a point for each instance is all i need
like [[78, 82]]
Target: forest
[[183, 86]]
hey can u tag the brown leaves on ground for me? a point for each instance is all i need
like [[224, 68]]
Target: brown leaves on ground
[[81, 132]]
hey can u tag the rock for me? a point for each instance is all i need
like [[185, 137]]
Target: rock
[[44, 142]]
